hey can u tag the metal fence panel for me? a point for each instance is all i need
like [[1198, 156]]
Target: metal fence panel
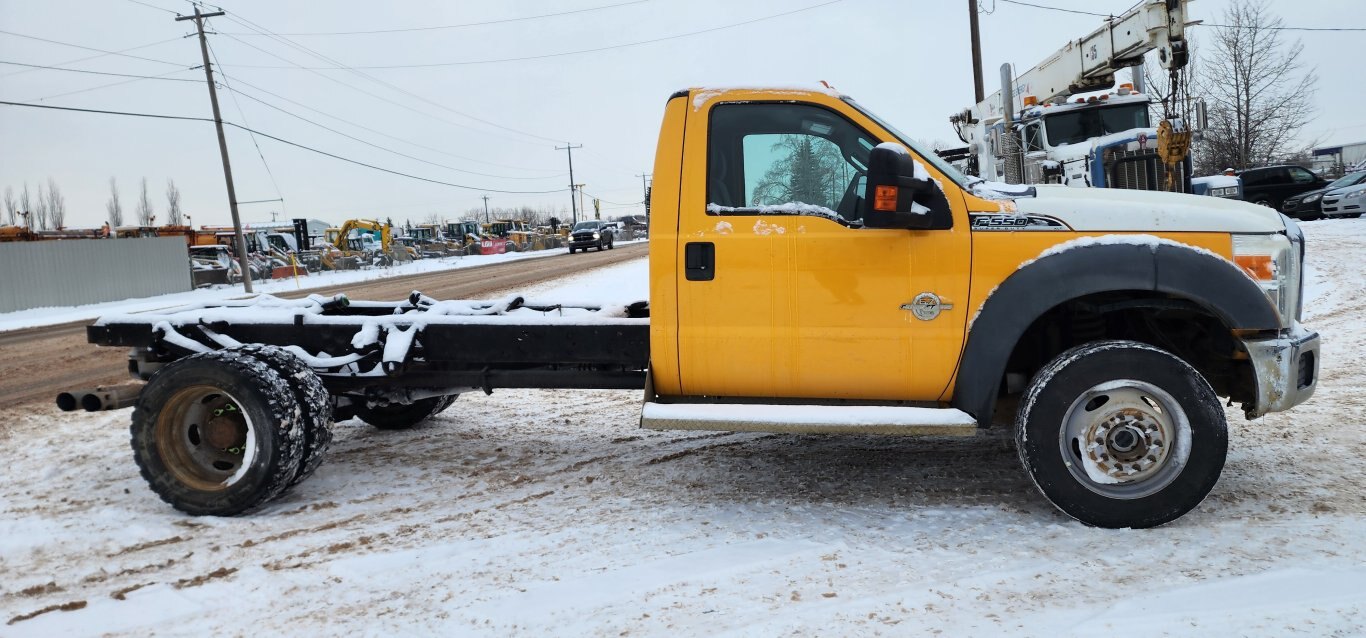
[[73, 272]]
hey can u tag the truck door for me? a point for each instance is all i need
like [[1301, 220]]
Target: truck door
[[782, 292]]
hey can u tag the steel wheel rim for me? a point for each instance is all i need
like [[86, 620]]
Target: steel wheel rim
[[206, 440], [1125, 439]]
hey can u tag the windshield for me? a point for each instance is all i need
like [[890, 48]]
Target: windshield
[[586, 226], [1350, 179], [1080, 125], [931, 157]]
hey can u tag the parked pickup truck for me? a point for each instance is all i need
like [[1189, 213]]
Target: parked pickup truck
[[812, 270]]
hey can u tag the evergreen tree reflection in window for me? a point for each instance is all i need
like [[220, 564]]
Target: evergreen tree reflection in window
[[801, 169]]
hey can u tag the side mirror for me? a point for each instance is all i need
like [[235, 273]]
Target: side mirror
[[901, 194]]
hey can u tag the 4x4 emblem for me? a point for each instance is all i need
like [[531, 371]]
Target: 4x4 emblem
[[926, 306]]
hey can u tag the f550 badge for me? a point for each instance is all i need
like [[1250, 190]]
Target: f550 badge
[[991, 222]]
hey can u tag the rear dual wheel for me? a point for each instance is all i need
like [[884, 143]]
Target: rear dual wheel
[[1121, 434], [219, 433]]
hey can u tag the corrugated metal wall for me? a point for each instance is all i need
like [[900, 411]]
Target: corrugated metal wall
[[72, 272]]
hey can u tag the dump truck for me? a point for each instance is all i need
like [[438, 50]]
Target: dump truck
[[812, 270]]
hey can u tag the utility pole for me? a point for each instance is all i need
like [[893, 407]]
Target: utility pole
[[578, 188], [486, 209], [199, 18], [976, 52], [572, 200], [644, 189]]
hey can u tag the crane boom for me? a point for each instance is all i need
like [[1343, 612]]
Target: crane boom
[[1090, 63]]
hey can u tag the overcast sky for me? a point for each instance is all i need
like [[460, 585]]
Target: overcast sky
[[498, 122]]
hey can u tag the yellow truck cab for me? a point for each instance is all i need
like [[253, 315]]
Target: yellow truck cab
[[812, 270]]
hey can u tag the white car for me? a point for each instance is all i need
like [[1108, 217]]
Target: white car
[[1345, 202]]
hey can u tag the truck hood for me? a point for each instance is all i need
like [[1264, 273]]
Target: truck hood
[[1118, 210]]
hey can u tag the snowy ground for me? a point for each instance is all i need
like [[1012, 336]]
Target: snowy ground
[[52, 316], [550, 513]]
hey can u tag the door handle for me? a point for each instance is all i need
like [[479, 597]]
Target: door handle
[[699, 261]]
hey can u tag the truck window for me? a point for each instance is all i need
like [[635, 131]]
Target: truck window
[[1081, 124], [1301, 176], [785, 159]]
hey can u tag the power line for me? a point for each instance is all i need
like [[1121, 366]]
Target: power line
[[78, 46], [92, 57], [112, 84], [372, 144], [282, 141], [121, 75], [240, 81], [152, 6], [252, 25], [243, 115], [353, 87], [565, 53], [1207, 24], [455, 26]]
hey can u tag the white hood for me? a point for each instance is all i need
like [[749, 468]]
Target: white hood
[[1123, 210]]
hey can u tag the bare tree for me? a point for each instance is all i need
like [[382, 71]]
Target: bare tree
[[11, 206], [26, 207], [114, 206], [144, 210], [56, 205], [39, 217], [1258, 92], [174, 216]]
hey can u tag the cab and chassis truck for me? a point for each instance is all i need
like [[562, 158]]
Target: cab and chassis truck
[[892, 295]]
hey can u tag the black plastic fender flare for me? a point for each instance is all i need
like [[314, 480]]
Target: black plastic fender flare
[[1183, 271]]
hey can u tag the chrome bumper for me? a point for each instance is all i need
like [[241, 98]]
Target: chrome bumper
[[1287, 370]]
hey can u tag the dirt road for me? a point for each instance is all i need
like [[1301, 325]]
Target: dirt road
[[37, 363]]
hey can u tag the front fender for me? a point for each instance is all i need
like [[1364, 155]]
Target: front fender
[[1095, 265]]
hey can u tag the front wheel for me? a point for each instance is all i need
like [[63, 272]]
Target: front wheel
[[1121, 434]]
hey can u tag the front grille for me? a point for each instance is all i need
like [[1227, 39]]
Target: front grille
[[583, 237], [1139, 170]]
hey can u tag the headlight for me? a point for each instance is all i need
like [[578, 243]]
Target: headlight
[[1274, 263], [1313, 198], [1226, 191], [596, 236]]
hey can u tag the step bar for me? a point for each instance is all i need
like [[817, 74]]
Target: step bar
[[658, 413]]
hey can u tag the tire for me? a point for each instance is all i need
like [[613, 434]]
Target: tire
[[402, 416], [571, 250], [611, 244], [1108, 389], [218, 433], [314, 401], [1263, 202]]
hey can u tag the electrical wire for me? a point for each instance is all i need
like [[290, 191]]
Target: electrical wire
[[454, 26], [92, 57], [1206, 24], [243, 115], [121, 75], [152, 6], [565, 53], [282, 141], [112, 84], [77, 46], [372, 144], [252, 25], [277, 96], [358, 89]]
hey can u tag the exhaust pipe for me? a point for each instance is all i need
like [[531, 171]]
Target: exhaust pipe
[[99, 399]]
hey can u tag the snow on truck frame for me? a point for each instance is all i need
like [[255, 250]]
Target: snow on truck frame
[[811, 270]]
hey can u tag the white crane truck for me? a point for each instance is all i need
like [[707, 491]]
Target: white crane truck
[[1032, 131]]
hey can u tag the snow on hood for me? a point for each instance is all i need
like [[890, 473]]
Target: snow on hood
[[1218, 181], [1122, 210]]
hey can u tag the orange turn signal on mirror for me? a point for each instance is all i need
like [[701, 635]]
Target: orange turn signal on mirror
[[1259, 267], [884, 199]]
